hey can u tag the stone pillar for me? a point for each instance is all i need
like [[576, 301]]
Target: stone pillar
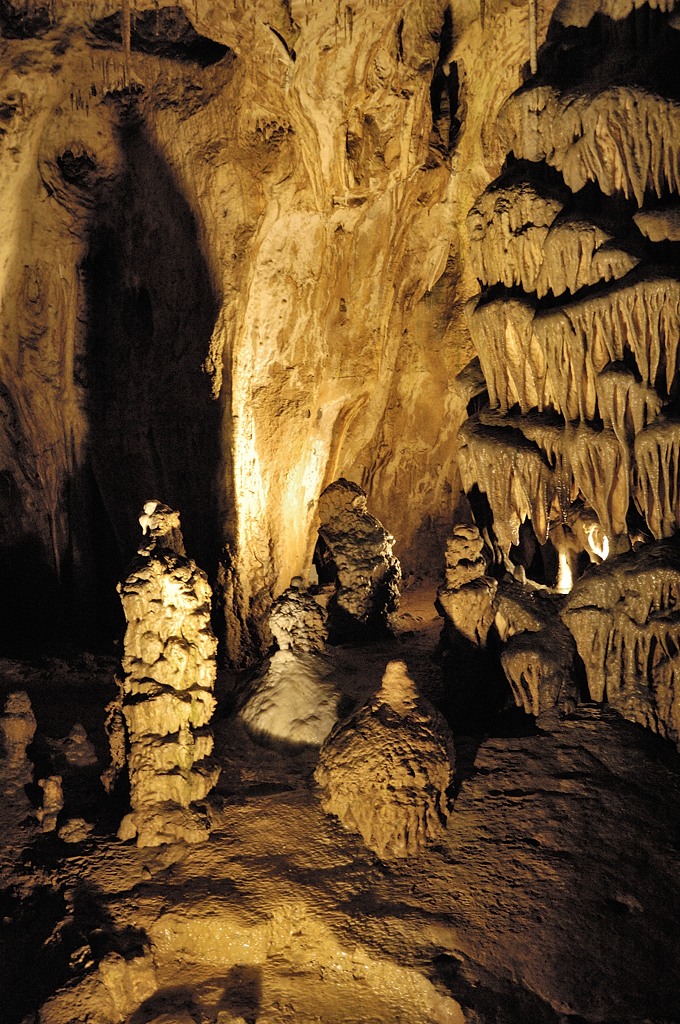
[[167, 686]]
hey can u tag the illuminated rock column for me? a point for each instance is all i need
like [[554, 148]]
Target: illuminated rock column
[[168, 678]]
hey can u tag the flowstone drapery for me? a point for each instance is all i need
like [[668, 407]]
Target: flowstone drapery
[[167, 686], [574, 457]]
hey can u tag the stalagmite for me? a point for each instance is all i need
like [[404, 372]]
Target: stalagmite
[[76, 748], [52, 802], [465, 599], [17, 729], [368, 574], [297, 621], [385, 771], [623, 138], [168, 678], [292, 698], [624, 618]]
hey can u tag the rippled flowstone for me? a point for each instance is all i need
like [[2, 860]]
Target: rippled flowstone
[[292, 698]]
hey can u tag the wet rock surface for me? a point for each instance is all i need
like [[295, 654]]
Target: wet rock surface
[[556, 872]]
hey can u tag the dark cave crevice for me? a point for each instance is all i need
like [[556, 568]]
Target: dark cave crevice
[[641, 50], [164, 32], [444, 88], [25, 19]]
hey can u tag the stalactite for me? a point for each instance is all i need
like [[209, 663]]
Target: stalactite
[[517, 237], [125, 34], [515, 475], [625, 404], [624, 618], [507, 228], [657, 459], [623, 138]]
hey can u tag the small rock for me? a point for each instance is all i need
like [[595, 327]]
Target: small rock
[[75, 830]]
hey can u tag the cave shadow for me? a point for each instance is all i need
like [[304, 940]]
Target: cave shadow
[[641, 49], [477, 702], [154, 423], [492, 998], [32, 610], [40, 933], [33, 966], [147, 308], [241, 998], [243, 992]]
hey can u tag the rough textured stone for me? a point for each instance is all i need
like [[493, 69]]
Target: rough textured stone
[[385, 771], [297, 621], [168, 678], [360, 552], [17, 729], [624, 618]]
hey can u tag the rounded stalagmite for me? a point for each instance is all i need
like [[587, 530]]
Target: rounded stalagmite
[[385, 771]]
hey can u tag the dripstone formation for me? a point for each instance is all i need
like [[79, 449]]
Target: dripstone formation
[[297, 621], [360, 550], [577, 324], [385, 771], [17, 729], [167, 686], [292, 698], [575, 451]]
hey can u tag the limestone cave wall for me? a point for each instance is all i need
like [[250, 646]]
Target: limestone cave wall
[[233, 269]]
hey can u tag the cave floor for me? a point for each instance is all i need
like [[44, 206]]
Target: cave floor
[[554, 897]]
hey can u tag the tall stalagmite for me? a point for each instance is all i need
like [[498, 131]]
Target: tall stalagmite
[[167, 684]]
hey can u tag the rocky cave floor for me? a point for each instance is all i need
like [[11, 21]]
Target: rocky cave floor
[[555, 896]]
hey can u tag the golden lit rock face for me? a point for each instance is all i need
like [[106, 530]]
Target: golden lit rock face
[[229, 268], [578, 323]]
